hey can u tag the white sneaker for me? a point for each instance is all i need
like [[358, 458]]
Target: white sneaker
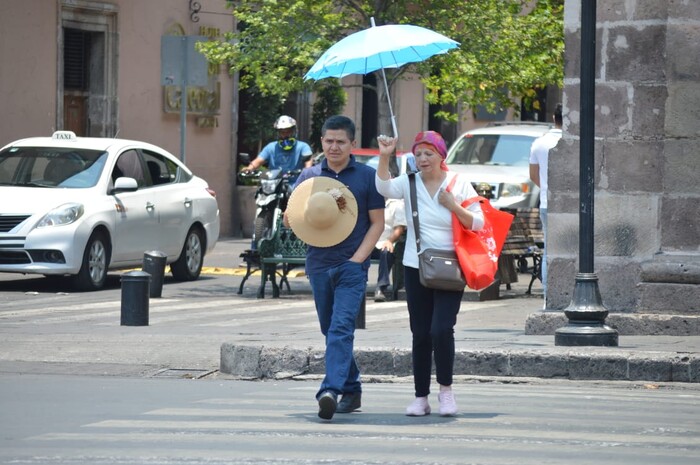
[[448, 406], [418, 408]]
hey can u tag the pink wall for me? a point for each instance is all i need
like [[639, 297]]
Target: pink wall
[[28, 71]]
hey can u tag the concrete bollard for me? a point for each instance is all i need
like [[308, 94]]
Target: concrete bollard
[[154, 264], [135, 286]]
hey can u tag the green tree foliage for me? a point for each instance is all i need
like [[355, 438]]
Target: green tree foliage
[[257, 120], [513, 44]]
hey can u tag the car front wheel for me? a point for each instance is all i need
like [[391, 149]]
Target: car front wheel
[[93, 271], [189, 265]]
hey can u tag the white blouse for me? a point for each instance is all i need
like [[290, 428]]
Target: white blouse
[[435, 220]]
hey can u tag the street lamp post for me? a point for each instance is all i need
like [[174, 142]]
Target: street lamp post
[[586, 313]]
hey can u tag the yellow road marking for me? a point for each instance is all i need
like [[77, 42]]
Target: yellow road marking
[[215, 270]]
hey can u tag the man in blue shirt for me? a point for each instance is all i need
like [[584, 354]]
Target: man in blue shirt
[[338, 273], [286, 153]]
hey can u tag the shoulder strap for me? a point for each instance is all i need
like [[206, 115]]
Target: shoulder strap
[[414, 208]]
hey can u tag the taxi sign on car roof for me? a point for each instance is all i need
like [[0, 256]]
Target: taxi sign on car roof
[[64, 135]]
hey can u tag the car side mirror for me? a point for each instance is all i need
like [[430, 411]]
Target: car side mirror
[[125, 184]]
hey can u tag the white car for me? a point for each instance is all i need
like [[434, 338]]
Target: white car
[[499, 155], [81, 206]]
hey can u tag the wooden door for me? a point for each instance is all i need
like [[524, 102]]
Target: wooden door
[[74, 114]]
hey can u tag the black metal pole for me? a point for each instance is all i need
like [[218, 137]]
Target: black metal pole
[[587, 136], [586, 313]]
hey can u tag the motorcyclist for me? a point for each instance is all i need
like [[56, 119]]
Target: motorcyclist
[[286, 153]]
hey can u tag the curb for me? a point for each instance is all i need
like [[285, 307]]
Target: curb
[[266, 362]]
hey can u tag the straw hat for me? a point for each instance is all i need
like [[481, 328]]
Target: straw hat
[[322, 211]]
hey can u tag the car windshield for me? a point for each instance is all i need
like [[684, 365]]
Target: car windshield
[[51, 167], [491, 149]]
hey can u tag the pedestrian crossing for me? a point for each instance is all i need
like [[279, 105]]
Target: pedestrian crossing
[[276, 423], [222, 313], [206, 313]]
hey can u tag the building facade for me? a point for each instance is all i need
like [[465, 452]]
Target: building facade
[[109, 69], [113, 68]]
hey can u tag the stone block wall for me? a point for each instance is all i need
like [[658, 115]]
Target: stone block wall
[[647, 156]]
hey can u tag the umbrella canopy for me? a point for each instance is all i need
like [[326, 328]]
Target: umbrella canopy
[[379, 47]]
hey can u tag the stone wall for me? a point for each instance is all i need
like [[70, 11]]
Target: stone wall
[[647, 158]]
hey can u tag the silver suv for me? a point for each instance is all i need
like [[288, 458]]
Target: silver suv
[[499, 155]]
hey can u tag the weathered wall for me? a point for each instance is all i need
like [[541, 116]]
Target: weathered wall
[[647, 156], [28, 74]]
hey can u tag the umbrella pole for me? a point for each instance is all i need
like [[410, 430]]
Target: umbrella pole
[[386, 87], [391, 110]]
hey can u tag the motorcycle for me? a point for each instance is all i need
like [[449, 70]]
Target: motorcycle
[[270, 199]]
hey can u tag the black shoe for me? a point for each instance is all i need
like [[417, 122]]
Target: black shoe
[[349, 402], [379, 296], [327, 404]]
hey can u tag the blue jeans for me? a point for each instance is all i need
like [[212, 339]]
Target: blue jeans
[[338, 294]]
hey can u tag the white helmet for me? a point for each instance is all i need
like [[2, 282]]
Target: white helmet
[[285, 122]]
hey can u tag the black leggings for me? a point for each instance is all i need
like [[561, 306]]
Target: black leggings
[[433, 315]]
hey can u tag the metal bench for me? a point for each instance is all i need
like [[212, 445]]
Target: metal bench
[[284, 249], [525, 240], [278, 255]]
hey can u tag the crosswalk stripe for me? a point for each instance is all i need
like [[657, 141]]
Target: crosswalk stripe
[[447, 430], [110, 310]]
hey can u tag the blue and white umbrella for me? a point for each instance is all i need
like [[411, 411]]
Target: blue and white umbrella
[[380, 47]]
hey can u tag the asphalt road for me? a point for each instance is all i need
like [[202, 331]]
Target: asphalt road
[[112, 420], [76, 387]]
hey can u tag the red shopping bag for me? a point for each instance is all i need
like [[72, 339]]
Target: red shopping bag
[[478, 251]]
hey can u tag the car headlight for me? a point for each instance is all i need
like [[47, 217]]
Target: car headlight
[[515, 190], [65, 214]]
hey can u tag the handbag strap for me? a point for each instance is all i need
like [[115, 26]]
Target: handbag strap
[[414, 204], [472, 200], [414, 208]]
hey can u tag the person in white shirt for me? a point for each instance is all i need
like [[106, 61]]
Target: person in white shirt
[[432, 313], [394, 228], [539, 159]]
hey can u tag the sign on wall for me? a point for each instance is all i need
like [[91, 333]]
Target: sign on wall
[[182, 65]]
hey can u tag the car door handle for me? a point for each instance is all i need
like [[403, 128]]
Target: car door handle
[[150, 206], [188, 202]]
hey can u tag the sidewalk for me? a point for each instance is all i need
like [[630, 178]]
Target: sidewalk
[[490, 340]]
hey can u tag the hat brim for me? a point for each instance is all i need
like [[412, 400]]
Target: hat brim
[[336, 232]]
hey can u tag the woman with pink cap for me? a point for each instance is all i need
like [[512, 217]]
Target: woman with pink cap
[[432, 312]]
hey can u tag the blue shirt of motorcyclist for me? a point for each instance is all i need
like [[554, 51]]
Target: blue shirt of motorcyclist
[[286, 153], [359, 179]]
